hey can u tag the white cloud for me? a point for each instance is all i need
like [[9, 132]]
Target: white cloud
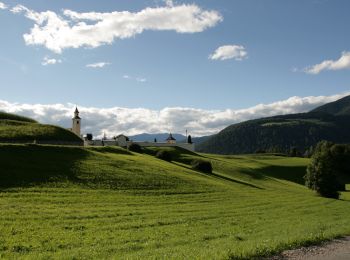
[[142, 80], [132, 121], [74, 30], [126, 76], [98, 65], [342, 63], [2, 6], [226, 52], [50, 61]]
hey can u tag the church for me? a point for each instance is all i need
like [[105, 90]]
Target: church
[[122, 140]]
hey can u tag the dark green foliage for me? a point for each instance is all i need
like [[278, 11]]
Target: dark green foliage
[[294, 152], [201, 165], [89, 137], [164, 155], [329, 169], [260, 151], [135, 148], [189, 139]]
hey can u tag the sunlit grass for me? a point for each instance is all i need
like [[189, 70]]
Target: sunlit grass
[[109, 203]]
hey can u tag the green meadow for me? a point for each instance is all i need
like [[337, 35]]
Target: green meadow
[[82, 203]]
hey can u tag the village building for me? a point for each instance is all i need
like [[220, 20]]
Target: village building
[[122, 140]]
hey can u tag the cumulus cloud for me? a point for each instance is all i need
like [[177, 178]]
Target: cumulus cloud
[[342, 63], [132, 121], [98, 65], [50, 61], [226, 52], [2, 6], [72, 29]]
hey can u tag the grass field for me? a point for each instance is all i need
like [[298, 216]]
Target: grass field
[[76, 203]]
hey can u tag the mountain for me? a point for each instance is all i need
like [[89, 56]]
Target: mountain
[[282, 133], [161, 137], [339, 107]]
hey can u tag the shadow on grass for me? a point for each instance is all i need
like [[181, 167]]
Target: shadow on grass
[[110, 149], [289, 173], [219, 176], [28, 165]]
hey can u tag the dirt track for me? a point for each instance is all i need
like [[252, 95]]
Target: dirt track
[[338, 249]]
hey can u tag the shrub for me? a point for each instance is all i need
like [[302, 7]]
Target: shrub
[[260, 151], [164, 155], [203, 166], [135, 148], [321, 175]]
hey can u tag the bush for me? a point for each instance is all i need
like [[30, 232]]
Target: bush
[[203, 166], [164, 155], [135, 148], [321, 175]]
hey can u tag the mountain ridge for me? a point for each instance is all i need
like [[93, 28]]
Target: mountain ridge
[[284, 132]]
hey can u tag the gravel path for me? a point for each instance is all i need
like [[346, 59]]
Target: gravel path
[[338, 249]]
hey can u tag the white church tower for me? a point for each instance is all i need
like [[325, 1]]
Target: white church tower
[[76, 122]]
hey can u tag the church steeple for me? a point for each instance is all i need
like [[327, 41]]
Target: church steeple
[[76, 122], [76, 113]]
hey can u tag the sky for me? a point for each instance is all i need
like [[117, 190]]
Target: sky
[[161, 66]]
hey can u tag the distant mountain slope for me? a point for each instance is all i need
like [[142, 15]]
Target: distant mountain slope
[[161, 137], [19, 129], [281, 133], [339, 107]]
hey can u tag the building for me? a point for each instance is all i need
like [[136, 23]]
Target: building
[[122, 140], [171, 139], [76, 124]]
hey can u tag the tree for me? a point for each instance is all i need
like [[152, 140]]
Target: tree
[[164, 155], [155, 140], [202, 166], [321, 175], [135, 148], [89, 137], [189, 139]]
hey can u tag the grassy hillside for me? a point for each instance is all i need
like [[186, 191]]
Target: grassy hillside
[[8, 116], [15, 128], [66, 202]]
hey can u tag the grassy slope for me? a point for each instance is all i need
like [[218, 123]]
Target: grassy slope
[[18, 128], [8, 116], [107, 202]]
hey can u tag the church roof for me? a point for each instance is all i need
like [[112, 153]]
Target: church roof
[[76, 110], [170, 138]]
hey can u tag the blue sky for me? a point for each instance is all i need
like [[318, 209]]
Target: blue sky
[[158, 68]]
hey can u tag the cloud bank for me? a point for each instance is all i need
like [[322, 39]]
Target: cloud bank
[[72, 29], [342, 63], [131, 121], [226, 52]]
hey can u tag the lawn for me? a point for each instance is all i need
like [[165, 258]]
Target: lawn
[[70, 202]]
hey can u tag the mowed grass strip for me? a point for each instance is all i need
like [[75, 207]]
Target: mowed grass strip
[[109, 203]]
